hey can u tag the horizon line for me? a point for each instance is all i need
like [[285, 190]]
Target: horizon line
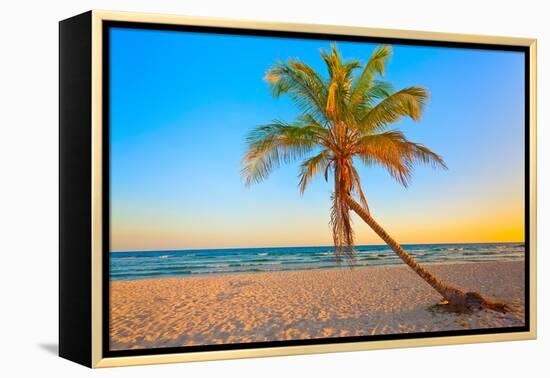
[[304, 246]]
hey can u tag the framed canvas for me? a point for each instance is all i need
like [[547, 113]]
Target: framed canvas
[[235, 189]]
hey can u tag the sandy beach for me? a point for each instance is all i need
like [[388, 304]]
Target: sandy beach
[[240, 308]]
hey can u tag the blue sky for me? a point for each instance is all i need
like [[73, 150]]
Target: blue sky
[[182, 103]]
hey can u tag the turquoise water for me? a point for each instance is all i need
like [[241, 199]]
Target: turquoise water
[[157, 264]]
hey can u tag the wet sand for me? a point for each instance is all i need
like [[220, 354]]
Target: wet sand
[[240, 308]]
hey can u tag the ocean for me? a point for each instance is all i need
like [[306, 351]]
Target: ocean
[[185, 263]]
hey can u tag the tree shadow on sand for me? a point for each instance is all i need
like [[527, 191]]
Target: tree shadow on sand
[[474, 302]]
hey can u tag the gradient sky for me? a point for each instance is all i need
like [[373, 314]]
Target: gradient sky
[[182, 103]]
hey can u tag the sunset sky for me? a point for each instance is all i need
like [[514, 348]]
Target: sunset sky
[[182, 103]]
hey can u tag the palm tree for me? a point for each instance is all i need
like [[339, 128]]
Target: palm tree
[[345, 120]]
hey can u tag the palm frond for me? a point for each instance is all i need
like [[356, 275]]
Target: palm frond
[[311, 167], [394, 152], [301, 83], [406, 102], [378, 90], [339, 85], [342, 229], [358, 190], [340, 219], [333, 60], [273, 144], [375, 65]]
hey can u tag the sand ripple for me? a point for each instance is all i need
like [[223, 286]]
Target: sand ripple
[[302, 305]]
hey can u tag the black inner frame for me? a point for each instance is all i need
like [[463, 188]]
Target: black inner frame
[[107, 25]]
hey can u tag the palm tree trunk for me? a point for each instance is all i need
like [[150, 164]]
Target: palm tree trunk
[[457, 298], [449, 293]]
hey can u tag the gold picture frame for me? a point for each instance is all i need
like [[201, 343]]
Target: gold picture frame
[[92, 24]]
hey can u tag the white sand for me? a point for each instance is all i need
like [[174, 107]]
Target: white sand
[[304, 304]]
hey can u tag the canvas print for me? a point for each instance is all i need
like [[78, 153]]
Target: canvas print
[[266, 190]]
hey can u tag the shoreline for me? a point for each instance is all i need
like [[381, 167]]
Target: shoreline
[[402, 264], [293, 305]]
